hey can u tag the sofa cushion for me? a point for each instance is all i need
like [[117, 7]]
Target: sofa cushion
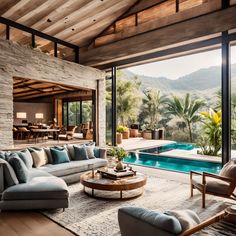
[[71, 151], [229, 169], [2, 155], [73, 167], [49, 154], [59, 156], [187, 218], [19, 167], [39, 188], [39, 157], [26, 158], [9, 174], [80, 153], [156, 219]]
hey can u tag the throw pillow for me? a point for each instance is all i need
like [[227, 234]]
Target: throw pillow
[[26, 158], [229, 169], [39, 158], [71, 151], [96, 152], [49, 155], [59, 156], [19, 167], [80, 153], [10, 178], [187, 218], [90, 151], [2, 155]]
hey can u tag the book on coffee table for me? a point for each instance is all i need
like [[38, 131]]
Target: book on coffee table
[[112, 174]]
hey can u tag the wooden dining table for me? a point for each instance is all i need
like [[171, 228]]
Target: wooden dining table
[[40, 133]]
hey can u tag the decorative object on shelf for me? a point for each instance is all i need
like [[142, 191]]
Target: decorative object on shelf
[[119, 153]]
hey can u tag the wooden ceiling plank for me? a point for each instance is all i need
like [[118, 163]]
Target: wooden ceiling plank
[[218, 21], [103, 11], [6, 5]]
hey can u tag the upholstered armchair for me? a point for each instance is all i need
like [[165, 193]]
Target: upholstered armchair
[[222, 185]]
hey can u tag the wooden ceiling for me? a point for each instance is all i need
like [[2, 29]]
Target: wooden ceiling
[[27, 89], [74, 21]]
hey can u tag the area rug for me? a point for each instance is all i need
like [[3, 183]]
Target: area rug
[[87, 216]]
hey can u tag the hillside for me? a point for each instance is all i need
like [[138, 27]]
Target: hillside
[[205, 81]]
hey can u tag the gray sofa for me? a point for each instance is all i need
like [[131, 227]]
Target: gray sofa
[[135, 221], [46, 187]]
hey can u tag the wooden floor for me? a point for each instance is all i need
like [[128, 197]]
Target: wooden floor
[[29, 224]]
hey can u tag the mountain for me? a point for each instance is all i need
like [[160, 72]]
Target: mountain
[[205, 80]]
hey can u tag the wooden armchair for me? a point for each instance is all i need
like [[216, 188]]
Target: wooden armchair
[[222, 185], [68, 134]]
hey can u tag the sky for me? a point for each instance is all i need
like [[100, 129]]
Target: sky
[[180, 66]]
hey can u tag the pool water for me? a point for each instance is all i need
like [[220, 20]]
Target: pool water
[[169, 147], [174, 164]]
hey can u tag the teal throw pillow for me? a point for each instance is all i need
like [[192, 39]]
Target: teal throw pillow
[[80, 153], [59, 156], [26, 158], [96, 152], [19, 167], [2, 155]]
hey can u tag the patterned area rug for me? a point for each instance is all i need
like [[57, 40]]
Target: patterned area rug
[[89, 216]]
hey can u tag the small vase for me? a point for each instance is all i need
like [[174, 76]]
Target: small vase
[[119, 165]]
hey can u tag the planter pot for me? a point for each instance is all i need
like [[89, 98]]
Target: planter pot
[[147, 134], [155, 134], [134, 133], [125, 135], [119, 165], [119, 138]]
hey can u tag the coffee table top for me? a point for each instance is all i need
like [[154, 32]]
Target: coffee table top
[[124, 183]]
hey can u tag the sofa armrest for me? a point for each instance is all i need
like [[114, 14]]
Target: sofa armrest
[[135, 221]]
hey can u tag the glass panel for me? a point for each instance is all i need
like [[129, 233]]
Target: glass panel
[[73, 113], [44, 45], [2, 31], [108, 112], [233, 100], [86, 111], [20, 37]]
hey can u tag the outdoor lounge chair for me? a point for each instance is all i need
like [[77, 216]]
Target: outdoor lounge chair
[[68, 135], [222, 185]]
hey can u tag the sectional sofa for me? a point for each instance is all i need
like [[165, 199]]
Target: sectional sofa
[[37, 178]]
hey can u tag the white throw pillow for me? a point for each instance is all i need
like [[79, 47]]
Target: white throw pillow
[[90, 150], [187, 218], [39, 158]]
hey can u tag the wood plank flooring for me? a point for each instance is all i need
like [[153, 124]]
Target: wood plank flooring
[[29, 224]]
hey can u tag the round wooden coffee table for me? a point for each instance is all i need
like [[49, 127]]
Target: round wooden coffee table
[[104, 184]]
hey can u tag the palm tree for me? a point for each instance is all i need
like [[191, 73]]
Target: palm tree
[[151, 108], [128, 100], [186, 109]]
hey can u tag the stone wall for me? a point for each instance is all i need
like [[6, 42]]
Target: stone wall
[[19, 61]]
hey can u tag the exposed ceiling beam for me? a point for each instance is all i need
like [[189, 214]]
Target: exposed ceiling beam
[[155, 40]]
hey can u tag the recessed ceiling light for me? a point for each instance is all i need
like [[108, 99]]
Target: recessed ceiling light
[[49, 20], [94, 20], [72, 29]]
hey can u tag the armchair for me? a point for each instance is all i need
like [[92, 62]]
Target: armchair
[[68, 134], [222, 185]]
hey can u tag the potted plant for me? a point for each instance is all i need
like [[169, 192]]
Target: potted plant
[[124, 130], [119, 153], [147, 131], [119, 134]]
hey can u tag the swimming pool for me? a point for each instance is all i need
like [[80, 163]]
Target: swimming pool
[[169, 147], [169, 163]]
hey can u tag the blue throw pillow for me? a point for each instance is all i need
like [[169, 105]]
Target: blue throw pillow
[[59, 156], [80, 153], [26, 158], [96, 152], [19, 167], [2, 155]]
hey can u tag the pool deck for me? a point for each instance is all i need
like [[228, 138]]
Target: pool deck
[[133, 144], [186, 154]]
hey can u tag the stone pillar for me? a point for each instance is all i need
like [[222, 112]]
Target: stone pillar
[[101, 113], [6, 110]]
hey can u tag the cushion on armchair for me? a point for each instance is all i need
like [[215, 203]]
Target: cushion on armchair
[[229, 169]]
